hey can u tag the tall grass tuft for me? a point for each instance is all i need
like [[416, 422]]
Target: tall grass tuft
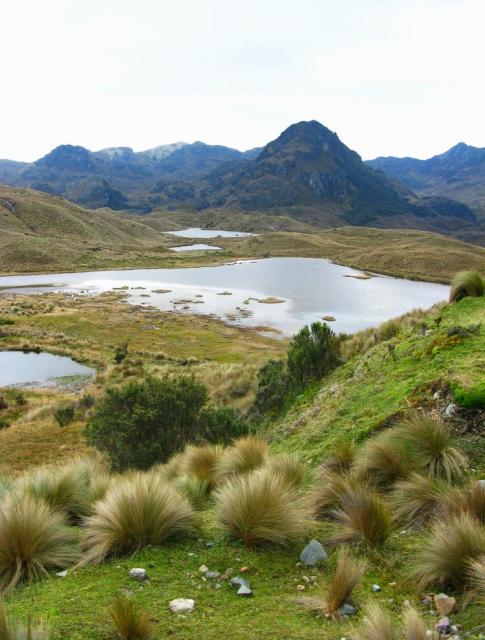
[[347, 575], [377, 624], [469, 499], [383, 461], [476, 572], [466, 283], [341, 459], [137, 511], [33, 540], [196, 491], [446, 555], [430, 441], [418, 499], [413, 625], [289, 467], [10, 630], [363, 516], [261, 508], [131, 621], [200, 462], [330, 490], [246, 454]]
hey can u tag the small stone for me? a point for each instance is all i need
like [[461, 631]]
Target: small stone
[[300, 587], [443, 625], [313, 553], [376, 588], [227, 573], [182, 605], [209, 544], [450, 410], [392, 584], [212, 575], [238, 581], [62, 574], [347, 610], [426, 601], [305, 579], [203, 568], [244, 569], [138, 574], [244, 591], [444, 604]]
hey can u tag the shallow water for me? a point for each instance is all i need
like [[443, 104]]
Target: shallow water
[[309, 287], [196, 247], [195, 232], [18, 368]]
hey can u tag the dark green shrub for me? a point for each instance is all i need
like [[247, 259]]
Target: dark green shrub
[[3, 403], [5, 321], [223, 424], [64, 415], [312, 354], [144, 423], [86, 402], [470, 398], [273, 385], [121, 353]]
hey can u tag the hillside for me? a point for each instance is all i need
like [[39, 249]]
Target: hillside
[[459, 173], [307, 173]]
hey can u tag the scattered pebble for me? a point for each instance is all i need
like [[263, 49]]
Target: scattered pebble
[[376, 588], [244, 591], [300, 587], [444, 604], [443, 625], [62, 574], [138, 574], [244, 569], [239, 581], [182, 605], [347, 610], [212, 575], [450, 410], [313, 553], [203, 568]]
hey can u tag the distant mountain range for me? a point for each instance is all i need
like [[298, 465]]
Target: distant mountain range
[[307, 173], [459, 173]]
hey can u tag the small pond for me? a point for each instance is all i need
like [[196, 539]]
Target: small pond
[[194, 232], [196, 247], [29, 369]]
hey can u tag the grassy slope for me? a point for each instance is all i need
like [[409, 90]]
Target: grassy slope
[[40, 233], [356, 400]]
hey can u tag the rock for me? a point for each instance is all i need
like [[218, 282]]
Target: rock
[[244, 591], [481, 483], [376, 588], [138, 574], [300, 587], [426, 601], [182, 605], [443, 626], [450, 410], [203, 568], [239, 581], [244, 569], [347, 610], [444, 604], [62, 574], [212, 575], [209, 544], [313, 553]]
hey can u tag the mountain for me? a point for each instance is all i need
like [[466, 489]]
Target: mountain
[[306, 173], [459, 173]]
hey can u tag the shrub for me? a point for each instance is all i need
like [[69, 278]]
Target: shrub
[[466, 283], [383, 460], [200, 462], [137, 511], [430, 441], [223, 424], [289, 467], [120, 353], [273, 386], [377, 624], [33, 540], [470, 398], [3, 403], [10, 630], [142, 423], [347, 575], [131, 621], [244, 455], [363, 516], [260, 508], [86, 401], [65, 414], [445, 556], [312, 354], [418, 499]]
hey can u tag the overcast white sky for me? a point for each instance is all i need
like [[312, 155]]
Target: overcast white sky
[[392, 77]]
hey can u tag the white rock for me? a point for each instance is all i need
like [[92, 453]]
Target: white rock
[[62, 574], [138, 574], [182, 605], [203, 568]]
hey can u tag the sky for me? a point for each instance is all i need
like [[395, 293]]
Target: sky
[[391, 77]]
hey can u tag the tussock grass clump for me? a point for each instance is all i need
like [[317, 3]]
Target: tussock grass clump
[[330, 490], [341, 459], [430, 441], [33, 540], [200, 462], [446, 555], [418, 499], [347, 575], [131, 621], [261, 508], [383, 461], [246, 454], [414, 627], [196, 491], [137, 511], [10, 630], [170, 469], [363, 516], [476, 572], [469, 499], [377, 624], [466, 283], [289, 467]]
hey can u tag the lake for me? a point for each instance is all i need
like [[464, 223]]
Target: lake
[[238, 292], [194, 232], [18, 368]]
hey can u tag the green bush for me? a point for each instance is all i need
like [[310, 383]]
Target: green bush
[[120, 353], [143, 423], [64, 415], [470, 398], [312, 354], [273, 386]]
